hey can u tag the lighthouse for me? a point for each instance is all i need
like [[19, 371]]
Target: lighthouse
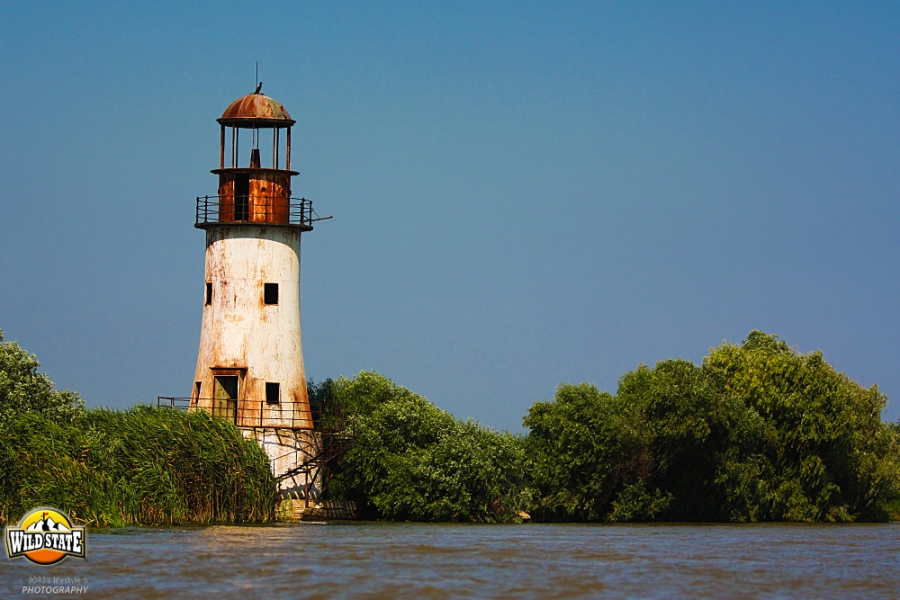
[[250, 362]]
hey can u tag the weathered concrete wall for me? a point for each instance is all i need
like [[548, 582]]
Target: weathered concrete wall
[[243, 336], [288, 450]]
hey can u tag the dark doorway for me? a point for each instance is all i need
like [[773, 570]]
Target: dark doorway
[[225, 399], [241, 197]]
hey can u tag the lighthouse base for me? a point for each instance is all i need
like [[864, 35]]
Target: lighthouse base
[[297, 458], [330, 510]]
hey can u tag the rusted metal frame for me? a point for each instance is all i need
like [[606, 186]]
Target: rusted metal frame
[[314, 462], [178, 402], [232, 145], [315, 475], [325, 456], [275, 148], [222, 147], [299, 211], [312, 456], [287, 154], [204, 218], [330, 445], [297, 420]]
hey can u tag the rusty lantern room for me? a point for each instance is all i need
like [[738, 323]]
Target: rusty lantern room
[[254, 193]]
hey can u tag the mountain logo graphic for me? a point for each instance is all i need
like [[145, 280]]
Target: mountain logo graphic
[[45, 536]]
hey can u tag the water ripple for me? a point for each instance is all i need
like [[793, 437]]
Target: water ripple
[[405, 560]]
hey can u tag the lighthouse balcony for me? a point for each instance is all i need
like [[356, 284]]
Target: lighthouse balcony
[[297, 449], [276, 211], [257, 414]]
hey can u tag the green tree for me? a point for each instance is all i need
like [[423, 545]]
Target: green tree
[[24, 390], [689, 418], [412, 460], [758, 432], [322, 403], [825, 454], [583, 449]]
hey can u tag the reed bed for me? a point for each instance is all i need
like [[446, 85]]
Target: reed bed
[[145, 465]]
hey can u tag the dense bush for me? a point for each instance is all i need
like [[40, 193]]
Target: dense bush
[[144, 465], [757, 433], [412, 460]]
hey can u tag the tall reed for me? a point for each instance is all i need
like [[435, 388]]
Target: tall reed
[[145, 465]]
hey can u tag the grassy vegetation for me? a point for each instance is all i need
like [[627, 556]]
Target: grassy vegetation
[[140, 466], [145, 465]]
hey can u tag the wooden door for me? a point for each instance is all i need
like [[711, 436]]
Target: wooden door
[[225, 399]]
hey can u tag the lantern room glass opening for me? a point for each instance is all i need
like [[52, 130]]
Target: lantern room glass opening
[[274, 151]]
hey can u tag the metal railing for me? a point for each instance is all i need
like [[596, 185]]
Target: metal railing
[[260, 414], [332, 432], [252, 209], [174, 402]]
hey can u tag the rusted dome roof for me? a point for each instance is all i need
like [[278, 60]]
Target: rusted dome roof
[[256, 110]]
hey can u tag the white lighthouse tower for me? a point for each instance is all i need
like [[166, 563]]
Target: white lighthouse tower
[[250, 364]]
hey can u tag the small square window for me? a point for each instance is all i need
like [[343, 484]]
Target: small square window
[[270, 293], [272, 392], [208, 293]]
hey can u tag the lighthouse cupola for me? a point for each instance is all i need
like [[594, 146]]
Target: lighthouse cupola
[[248, 190]]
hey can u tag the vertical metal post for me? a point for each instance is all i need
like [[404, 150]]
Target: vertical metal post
[[287, 154], [222, 148], [274, 148], [232, 146]]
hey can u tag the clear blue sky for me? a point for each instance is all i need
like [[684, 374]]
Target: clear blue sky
[[524, 194]]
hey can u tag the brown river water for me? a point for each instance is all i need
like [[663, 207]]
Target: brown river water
[[407, 560]]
